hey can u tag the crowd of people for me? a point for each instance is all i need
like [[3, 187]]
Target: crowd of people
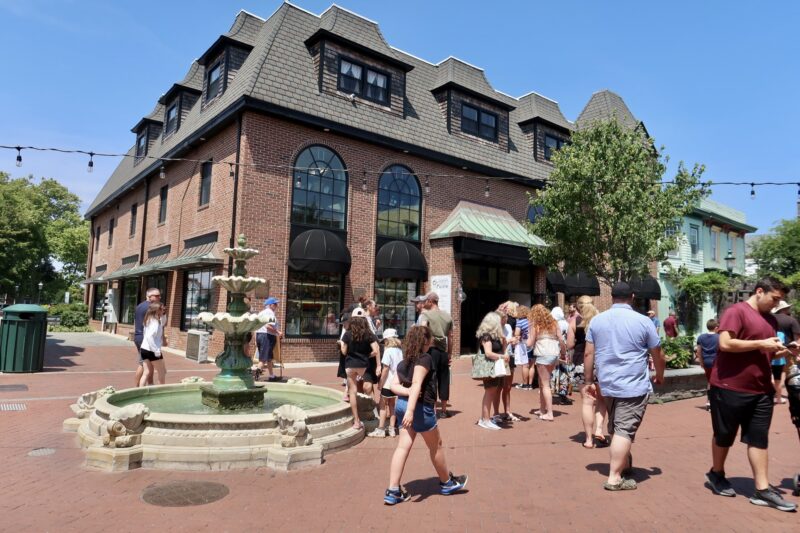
[[608, 357]]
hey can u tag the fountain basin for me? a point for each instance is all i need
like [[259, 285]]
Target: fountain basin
[[168, 427]]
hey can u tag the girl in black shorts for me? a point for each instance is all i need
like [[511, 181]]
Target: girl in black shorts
[[360, 349]]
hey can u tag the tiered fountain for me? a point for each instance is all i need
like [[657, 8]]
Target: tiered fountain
[[231, 422]]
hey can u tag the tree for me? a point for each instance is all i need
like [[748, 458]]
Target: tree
[[693, 290], [40, 224], [605, 210], [778, 254]]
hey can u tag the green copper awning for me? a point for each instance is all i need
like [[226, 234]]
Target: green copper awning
[[153, 263], [200, 255], [128, 264], [485, 223]]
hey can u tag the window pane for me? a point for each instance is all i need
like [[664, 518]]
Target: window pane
[[162, 209], [129, 299], [392, 297], [99, 298], [469, 113], [313, 302], [205, 183], [399, 203], [197, 295], [309, 206], [488, 120]]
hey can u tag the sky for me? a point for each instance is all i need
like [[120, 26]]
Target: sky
[[715, 82]]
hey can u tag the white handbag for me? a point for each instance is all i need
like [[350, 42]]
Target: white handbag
[[500, 368]]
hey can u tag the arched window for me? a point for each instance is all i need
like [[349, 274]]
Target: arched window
[[399, 203], [320, 189]]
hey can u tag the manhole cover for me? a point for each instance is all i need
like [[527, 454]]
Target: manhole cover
[[13, 388], [39, 452], [12, 407], [184, 493]]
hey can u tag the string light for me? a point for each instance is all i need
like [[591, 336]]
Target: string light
[[162, 172], [163, 160], [231, 174]]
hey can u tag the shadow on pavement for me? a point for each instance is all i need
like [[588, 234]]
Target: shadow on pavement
[[58, 354], [422, 489], [639, 474]]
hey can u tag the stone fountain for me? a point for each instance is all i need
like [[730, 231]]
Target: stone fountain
[[230, 422], [233, 387]]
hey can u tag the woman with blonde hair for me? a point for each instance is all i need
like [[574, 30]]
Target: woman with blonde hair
[[593, 408], [548, 345], [152, 341], [492, 343]]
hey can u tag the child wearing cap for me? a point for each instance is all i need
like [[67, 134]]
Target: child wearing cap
[[392, 355]]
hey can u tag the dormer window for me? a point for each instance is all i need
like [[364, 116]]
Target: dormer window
[[214, 81], [550, 145], [171, 119], [366, 82], [479, 122], [141, 144]]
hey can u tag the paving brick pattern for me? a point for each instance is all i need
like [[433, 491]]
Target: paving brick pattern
[[535, 476]]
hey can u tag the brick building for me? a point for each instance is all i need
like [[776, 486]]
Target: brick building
[[355, 168]]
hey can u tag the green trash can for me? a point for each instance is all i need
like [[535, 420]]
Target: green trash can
[[23, 333]]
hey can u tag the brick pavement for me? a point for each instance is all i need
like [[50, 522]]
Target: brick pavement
[[534, 476]]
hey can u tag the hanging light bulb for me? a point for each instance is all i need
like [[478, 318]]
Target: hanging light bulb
[[298, 181], [364, 182], [752, 191], [427, 185], [486, 189], [231, 174], [90, 168], [162, 172], [19, 156]]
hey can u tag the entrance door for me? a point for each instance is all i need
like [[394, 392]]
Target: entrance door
[[479, 302]]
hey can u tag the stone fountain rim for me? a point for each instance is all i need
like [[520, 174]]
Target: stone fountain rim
[[104, 406]]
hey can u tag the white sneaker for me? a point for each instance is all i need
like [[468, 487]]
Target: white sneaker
[[378, 433], [487, 424], [391, 431]]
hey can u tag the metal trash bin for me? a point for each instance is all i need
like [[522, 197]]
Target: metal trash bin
[[23, 333]]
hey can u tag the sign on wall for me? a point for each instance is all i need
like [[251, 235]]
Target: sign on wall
[[443, 286]]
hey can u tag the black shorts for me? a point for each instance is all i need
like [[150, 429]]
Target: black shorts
[[147, 355], [341, 372], [777, 371], [387, 393], [731, 409], [371, 374]]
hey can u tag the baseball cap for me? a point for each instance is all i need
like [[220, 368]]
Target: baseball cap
[[417, 299], [389, 333], [781, 306], [621, 290], [271, 300], [359, 312]]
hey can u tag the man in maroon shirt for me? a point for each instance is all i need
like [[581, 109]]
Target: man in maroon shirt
[[671, 325], [741, 392]]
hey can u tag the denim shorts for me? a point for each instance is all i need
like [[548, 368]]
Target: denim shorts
[[424, 414]]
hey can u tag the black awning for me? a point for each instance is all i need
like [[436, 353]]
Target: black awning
[[555, 280], [646, 287], [400, 260], [319, 250], [580, 284]]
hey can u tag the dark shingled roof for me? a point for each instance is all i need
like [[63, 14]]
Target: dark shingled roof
[[193, 81], [603, 105], [279, 76], [156, 115], [533, 106]]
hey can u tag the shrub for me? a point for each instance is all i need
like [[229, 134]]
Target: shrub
[[678, 351], [74, 319], [62, 329], [59, 309]]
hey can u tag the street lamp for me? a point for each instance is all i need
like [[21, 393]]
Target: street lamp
[[40, 292], [730, 261]]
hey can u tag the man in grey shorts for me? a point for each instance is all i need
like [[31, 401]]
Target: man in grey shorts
[[617, 345]]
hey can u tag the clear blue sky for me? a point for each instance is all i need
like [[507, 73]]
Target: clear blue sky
[[715, 82]]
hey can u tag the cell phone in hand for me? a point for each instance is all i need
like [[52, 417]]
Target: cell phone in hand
[[793, 344]]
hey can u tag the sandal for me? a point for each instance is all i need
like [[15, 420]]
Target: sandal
[[513, 417], [624, 484], [600, 441], [358, 426]]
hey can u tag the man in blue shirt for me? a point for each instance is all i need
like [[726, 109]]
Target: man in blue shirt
[[617, 345]]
